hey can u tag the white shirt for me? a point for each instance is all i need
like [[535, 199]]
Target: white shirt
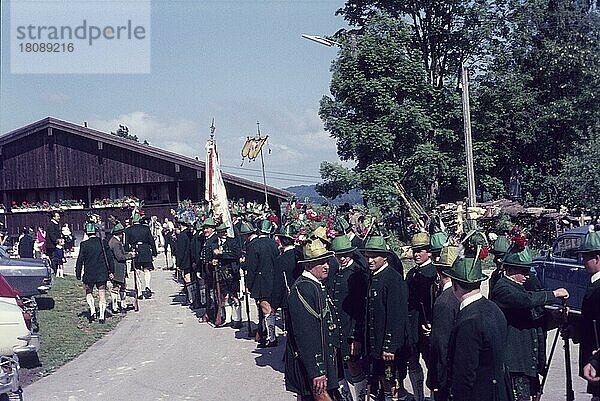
[[595, 277], [469, 300], [380, 269], [311, 276], [426, 263], [446, 286]]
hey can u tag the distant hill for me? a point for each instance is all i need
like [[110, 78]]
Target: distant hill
[[308, 191]]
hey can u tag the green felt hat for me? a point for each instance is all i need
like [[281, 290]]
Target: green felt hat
[[222, 227], [420, 241], [341, 245], [209, 222], [314, 250], [376, 244], [118, 229], [136, 217], [448, 255], [591, 243], [246, 228], [90, 228], [341, 225], [288, 231], [501, 245], [437, 241], [265, 227], [518, 257], [466, 270]]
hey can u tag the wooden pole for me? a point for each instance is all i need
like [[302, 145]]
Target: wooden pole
[[468, 140]]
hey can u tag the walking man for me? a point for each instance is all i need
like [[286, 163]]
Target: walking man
[[120, 258], [53, 233], [97, 269], [139, 239]]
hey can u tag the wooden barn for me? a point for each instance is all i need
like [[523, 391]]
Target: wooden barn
[[53, 160]]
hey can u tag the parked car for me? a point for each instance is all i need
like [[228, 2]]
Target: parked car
[[9, 377], [30, 276], [562, 266], [16, 335]]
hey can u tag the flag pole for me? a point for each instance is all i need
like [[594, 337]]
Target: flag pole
[[262, 162]]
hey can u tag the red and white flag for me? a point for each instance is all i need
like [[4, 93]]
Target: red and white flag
[[215, 192]]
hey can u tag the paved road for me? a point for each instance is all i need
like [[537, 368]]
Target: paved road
[[163, 353]]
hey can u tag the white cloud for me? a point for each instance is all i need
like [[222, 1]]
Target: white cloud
[[298, 143]]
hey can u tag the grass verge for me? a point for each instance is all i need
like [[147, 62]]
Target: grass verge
[[65, 331]]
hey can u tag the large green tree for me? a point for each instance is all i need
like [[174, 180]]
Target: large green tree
[[538, 101], [388, 118]]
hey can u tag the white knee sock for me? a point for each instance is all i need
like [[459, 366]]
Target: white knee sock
[[147, 277], [237, 312], [102, 304], [90, 301], [115, 299]]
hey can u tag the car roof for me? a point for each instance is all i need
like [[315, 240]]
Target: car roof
[[578, 230]]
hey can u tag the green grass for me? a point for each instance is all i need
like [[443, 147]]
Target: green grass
[[64, 330]]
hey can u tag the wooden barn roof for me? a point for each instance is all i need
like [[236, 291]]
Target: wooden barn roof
[[55, 123]]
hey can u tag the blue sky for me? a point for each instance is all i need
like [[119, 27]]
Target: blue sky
[[237, 61]]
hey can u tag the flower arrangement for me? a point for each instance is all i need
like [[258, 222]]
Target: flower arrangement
[[124, 202], [63, 204]]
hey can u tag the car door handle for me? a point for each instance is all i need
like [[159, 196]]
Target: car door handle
[[574, 269]]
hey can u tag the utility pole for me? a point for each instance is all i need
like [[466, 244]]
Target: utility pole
[[464, 84]]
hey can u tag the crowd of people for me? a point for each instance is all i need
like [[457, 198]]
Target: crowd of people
[[358, 324]]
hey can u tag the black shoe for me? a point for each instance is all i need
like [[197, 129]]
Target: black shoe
[[91, 318], [101, 321], [147, 293], [267, 344], [236, 324]]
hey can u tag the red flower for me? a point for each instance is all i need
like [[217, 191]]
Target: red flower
[[520, 241], [484, 253]]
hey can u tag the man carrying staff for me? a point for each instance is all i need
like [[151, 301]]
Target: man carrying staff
[[386, 316], [183, 259], [589, 328], [526, 346], [310, 363], [209, 244], [97, 269], [120, 258], [139, 239], [227, 256]]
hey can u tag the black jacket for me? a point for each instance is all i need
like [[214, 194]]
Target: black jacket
[[421, 281], [119, 258], [26, 246], [476, 354], [310, 348], [53, 233], [183, 253], [92, 259], [524, 352], [386, 313], [445, 310], [348, 295], [139, 238], [590, 311], [261, 253], [286, 266]]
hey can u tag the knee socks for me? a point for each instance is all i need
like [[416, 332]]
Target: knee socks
[[90, 301], [102, 304], [147, 277]]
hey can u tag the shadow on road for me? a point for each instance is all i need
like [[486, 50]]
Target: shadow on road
[[272, 357]]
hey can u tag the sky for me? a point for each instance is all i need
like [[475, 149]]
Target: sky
[[237, 61]]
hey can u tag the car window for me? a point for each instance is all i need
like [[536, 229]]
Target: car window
[[567, 247]]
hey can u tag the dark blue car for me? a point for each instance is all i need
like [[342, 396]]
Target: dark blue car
[[562, 266]]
